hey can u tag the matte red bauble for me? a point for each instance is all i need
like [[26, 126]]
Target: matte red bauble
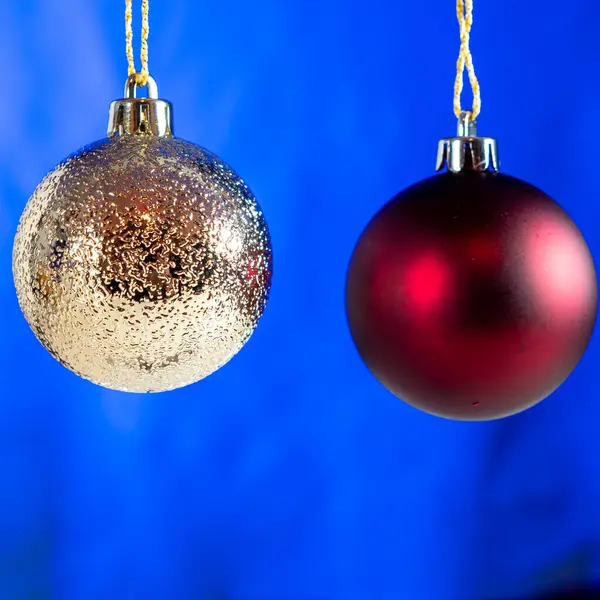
[[471, 295]]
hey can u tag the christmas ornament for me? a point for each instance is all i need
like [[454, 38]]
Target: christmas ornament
[[471, 295], [142, 262]]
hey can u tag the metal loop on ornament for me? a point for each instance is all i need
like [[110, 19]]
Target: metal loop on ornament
[[131, 86], [467, 126]]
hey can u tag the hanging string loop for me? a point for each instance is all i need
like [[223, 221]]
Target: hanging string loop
[[464, 13], [141, 77]]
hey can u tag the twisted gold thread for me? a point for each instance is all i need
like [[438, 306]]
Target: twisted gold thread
[[464, 12], [141, 77]]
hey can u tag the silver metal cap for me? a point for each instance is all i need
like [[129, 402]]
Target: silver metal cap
[[467, 151], [140, 116]]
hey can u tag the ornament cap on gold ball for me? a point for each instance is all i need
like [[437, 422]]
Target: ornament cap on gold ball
[[467, 151], [140, 116]]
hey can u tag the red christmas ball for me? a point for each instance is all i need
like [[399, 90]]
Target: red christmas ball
[[471, 295]]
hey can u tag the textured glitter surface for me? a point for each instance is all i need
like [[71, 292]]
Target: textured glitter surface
[[142, 263]]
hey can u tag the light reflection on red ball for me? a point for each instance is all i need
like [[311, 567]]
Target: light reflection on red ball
[[471, 296]]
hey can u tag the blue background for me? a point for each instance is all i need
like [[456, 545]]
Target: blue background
[[291, 474]]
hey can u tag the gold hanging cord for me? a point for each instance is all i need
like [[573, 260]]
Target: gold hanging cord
[[464, 12], [141, 77]]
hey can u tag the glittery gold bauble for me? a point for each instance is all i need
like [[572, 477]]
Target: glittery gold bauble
[[142, 262]]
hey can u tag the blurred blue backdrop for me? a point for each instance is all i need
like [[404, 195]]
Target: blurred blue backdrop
[[291, 474]]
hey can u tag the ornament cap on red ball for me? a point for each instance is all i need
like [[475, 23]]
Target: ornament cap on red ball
[[471, 295], [467, 151]]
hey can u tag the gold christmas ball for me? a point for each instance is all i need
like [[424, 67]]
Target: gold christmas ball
[[142, 262]]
